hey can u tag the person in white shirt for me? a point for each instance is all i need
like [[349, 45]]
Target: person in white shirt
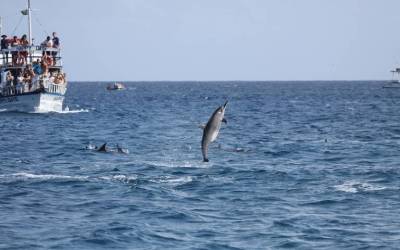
[[48, 43]]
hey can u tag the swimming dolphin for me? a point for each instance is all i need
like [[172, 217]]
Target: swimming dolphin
[[211, 129], [102, 148], [122, 150]]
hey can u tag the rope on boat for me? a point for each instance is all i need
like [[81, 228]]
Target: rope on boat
[[40, 24], [16, 27]]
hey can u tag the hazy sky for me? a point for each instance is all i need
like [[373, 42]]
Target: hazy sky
[[218, 39]]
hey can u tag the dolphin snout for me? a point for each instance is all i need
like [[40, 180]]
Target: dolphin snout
[[225, 103]]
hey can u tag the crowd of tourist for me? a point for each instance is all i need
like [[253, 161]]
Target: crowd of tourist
[[28, 79], [21, 79], [19, 56], [24, 80]]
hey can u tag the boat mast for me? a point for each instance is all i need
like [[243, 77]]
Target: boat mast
[[29, 23]]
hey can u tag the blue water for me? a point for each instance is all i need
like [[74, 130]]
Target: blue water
[[304, 165]]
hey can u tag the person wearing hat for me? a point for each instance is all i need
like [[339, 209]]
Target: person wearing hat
[[4, 45]]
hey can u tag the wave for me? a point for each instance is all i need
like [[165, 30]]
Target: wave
[[67, 111], [23, 176], [356, 186], [175, 181], [178, 164], [27, 176], [120, 178]]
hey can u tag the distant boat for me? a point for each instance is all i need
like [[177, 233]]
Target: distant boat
[[395, 81], [115, 86]]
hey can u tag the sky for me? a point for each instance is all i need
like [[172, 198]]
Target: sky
[[217, 40]]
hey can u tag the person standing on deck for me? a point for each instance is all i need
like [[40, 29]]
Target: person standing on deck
[[4, 45], [56, 45], [24, 53], [48, 43], [36, 67], [15, 54]]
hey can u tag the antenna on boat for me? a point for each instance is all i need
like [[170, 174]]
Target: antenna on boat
[[29, 23]]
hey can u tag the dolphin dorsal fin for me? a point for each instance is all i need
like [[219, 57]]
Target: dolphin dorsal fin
[[102, 148]]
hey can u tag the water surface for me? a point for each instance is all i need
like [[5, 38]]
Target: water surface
[[306, 165]]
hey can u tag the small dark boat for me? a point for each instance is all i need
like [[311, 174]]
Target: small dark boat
[[115, 86]]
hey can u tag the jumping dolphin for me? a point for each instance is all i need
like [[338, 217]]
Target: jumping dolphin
[[211, 129]]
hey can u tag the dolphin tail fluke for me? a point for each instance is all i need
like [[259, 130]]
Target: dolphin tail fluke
[[205, 160]]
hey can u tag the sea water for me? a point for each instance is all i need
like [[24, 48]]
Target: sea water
[[304, 165]]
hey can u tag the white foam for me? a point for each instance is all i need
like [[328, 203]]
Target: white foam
[[178, 164], [65, 111], [175, 180], [120, 178], [90, 147], [356, 186], [29, 176], [346, 187], [68, 111], [26, 176]]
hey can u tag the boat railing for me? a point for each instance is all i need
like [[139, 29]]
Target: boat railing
[[8, 91], [41, 84], [19, 89], [32, 48], [33, 53], [54, 88]]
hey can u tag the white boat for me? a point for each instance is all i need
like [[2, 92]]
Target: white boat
[[395, 81], [115, 86], [40, 91]]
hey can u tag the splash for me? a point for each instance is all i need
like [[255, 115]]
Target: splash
[[90, 147], [65, 111], [69, 111]]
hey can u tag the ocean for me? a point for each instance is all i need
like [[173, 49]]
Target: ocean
[[299, 165]]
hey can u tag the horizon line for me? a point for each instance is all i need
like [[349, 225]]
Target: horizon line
[[237, 81]]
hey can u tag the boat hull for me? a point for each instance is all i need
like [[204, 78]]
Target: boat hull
[[33, 102]]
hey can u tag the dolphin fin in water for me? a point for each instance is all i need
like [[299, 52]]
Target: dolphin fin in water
[[102, 148], [122, 150]]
